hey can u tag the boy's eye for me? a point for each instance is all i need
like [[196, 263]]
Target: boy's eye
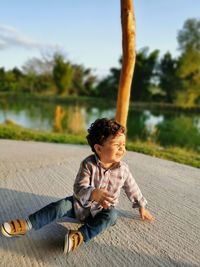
[[118, 145]]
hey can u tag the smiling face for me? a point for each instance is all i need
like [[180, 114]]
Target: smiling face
[[112, 150]]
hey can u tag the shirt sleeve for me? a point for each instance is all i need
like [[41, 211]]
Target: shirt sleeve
[[82, 187], [133, 192]]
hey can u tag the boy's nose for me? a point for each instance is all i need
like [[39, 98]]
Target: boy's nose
[[122, 148]]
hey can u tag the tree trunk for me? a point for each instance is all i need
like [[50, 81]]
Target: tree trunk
[[128, 60]]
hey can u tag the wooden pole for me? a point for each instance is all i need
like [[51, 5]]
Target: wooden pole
[[128, 60]]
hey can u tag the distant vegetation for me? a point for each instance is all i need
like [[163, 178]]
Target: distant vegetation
[[156, 79]]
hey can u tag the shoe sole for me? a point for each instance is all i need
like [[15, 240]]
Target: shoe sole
[[5, 233], [66, 244]]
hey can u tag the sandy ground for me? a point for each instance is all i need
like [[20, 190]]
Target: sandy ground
[[34, 174]]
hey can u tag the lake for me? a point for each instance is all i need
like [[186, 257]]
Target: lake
[[167, 128]]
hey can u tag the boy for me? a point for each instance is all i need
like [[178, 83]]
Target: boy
[[96, 190]]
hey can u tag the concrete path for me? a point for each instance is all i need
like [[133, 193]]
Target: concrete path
[[33, 174]]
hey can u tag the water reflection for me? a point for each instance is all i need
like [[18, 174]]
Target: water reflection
[[165, 128], [182, 131], [59, 113], [75, 120], [142, 125]]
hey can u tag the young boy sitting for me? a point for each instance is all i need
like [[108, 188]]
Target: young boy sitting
[[96, 190]]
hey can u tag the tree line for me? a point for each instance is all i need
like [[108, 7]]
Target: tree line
[[156, 78]]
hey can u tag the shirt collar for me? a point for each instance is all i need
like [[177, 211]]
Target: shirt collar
[[100, 165]]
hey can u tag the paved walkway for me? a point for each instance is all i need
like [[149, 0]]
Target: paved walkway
[[33, 174]]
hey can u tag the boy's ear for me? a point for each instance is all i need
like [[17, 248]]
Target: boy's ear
[[97, 148]]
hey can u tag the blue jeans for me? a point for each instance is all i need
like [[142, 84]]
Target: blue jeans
[[64, 207]]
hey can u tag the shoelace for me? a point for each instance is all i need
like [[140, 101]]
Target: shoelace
[[16, 228]]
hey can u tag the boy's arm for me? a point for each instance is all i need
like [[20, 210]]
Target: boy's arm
[[134, 193], [82, 185]]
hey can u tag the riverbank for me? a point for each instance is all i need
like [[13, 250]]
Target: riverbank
[[177, 154], [104, 102]]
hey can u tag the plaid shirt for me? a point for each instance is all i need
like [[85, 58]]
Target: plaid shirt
[[92, 175]]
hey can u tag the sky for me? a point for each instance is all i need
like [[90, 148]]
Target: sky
[[88, 32]]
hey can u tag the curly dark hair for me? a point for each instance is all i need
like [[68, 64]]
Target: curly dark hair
[[101, 129]]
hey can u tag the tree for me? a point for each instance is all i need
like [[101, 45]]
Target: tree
[[189, 62], [168, 78], [142, 79], [143, 74], [39, 66], [82, 81], [190, 74], [2, 79], [29, 82], [189, 36], [89, 84], [62, 74], [108, 86], [18, 73], [38, 75]]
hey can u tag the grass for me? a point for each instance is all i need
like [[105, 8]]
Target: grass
[[10, 130], [177, 154]]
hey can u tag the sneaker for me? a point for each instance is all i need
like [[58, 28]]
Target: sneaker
[[14, 228], [73, 239]]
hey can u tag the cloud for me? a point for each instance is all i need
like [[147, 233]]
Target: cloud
[[10, 37]]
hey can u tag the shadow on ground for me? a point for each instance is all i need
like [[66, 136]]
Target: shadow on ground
[[46, 245]]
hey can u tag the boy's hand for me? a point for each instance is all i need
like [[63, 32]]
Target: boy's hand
[[101, 196], [145, 214]]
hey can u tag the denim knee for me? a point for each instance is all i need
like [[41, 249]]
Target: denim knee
[[95, 225], [62, 207], [113, 216]]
